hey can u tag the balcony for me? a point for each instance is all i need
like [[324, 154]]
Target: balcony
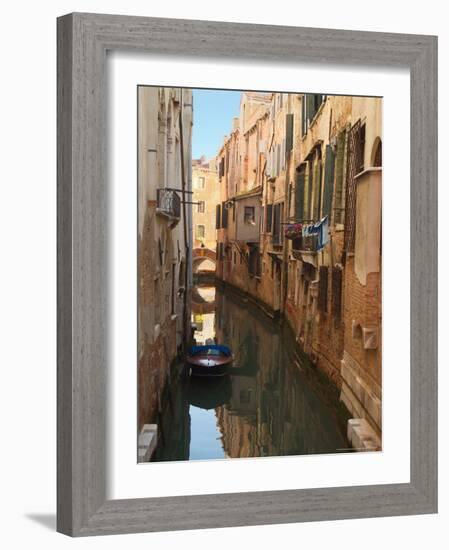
[[305, 244], [168, 203]]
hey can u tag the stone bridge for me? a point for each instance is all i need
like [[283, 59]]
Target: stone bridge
[[199, 255]]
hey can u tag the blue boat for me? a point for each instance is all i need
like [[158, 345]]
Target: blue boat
[[209, 360]]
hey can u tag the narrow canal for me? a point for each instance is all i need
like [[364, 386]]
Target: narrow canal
[[272, 403]]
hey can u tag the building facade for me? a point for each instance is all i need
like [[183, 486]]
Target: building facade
[[311, 167], [206, 195], [164, 238]]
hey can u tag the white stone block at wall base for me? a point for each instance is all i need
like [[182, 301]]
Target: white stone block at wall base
[[361, 435], [360, 389], [147, 442]]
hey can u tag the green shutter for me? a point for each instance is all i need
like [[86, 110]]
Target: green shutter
[[310, 107], [329, 169], [288, 133], [316, 186], [299, 196], [339, 174]]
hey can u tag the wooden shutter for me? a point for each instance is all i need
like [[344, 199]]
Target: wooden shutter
[[316, 186], [224, 216], [269, 218], [303, 116], [276, 223], [278, 160], [310, 107], [322, 288], [329, 169], [299, 196], [339, 210], [337, 279], [217, 217], [288, 133]]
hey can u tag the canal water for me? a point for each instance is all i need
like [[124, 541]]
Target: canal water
[[274, 402]]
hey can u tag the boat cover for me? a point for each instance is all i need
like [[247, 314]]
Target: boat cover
[[195, 350]]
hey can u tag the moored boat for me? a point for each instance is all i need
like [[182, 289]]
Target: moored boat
[[209, 360]]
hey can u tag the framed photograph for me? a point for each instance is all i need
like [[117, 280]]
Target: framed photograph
[[247, 274]]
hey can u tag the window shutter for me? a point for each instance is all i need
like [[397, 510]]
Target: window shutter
[[224, 216], [217, 217], [316, 186], [310, 108], [303, 116], [278, 159], [269, 218], [329, 169], [337, 279], [288, 133], [299, 196], [322, 289], [339, 175]]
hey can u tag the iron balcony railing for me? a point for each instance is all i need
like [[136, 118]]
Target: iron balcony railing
[[169, 203], [305, 244]]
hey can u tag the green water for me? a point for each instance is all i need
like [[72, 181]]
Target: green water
[[272, 403]]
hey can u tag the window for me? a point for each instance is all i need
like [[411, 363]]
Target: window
[[337, 276], [340, 161], [249, 215], [200, 232], [310, 105], [322, 288], [329, 170], [254, 263], [288, 133], [218, 216], [277, 223], [224, 216], [299, 194], [268, 218], [200, 182], [201, 207]]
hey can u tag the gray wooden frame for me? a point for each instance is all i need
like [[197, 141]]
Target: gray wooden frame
[[83, 40]]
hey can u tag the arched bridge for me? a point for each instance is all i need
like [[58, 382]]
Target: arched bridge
[[201, 254]]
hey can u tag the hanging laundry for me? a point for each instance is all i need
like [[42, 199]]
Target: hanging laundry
[[323, 233]]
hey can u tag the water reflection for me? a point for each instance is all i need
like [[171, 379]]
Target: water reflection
[[272, 403]]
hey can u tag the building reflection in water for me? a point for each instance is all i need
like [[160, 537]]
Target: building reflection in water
[[273, 403]]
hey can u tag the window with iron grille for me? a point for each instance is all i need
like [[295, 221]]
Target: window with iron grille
[[322, 288], [201, 207], [356, 149]]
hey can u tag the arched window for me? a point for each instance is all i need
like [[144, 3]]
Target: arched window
[[377, 153]]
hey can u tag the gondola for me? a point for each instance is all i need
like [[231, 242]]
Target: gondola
[[209, 360]]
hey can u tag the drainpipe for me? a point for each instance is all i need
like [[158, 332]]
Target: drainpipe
[[284, 273], [185, 313]]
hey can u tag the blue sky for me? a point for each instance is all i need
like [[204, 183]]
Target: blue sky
[[213, 111]]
